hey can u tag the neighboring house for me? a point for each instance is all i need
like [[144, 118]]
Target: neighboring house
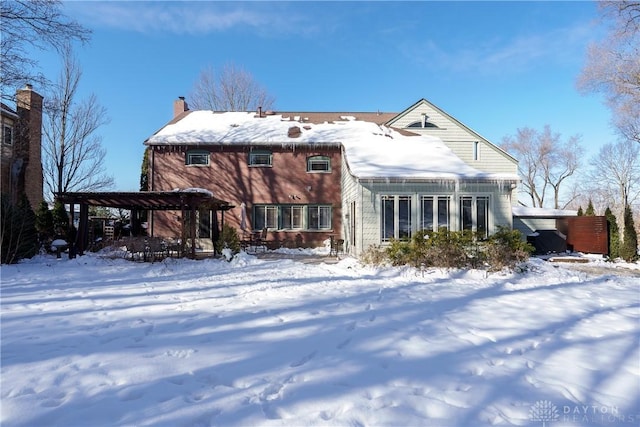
[[21, 146], [363, 177]]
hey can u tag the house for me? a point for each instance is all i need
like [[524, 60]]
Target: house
[[21, 147], [306, 177]]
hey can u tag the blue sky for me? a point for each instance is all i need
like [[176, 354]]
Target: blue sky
[[495, 66]]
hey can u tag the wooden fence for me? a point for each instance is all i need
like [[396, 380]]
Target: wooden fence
[[589, 234]]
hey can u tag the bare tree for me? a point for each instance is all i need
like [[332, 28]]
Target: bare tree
[[73, 156], [28, 24], [545, 162], [613, 66], [234, 89], [615, 172]]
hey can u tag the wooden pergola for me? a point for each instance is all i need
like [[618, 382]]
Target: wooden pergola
[[189, 200]]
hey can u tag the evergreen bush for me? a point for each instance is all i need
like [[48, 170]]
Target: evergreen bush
[[18, 235], [614, 234], [60, 221], [44, 223], [506, 249], [453, 249], [228, 240], [629, 248]]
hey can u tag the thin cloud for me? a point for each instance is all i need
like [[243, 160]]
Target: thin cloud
[[500, 56], [187, 17]]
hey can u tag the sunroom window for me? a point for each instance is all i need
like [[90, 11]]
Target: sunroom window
[[434, 213], [474, 214], [395, 217]]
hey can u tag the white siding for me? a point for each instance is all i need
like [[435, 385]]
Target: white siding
[[458, 137], [500, 204], [349, 188], [527, 226]]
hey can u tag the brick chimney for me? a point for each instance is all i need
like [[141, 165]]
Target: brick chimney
[[179, 106], [29, 109]]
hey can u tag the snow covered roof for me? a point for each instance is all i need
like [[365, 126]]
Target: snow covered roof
[[8, 111], [525, 211], [372, 151]]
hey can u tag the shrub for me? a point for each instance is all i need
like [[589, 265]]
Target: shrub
[[614, 235], [629, 248], [228, 240], [506, 248], [60, 220], [453, 249], [374, 255], [18, 235]]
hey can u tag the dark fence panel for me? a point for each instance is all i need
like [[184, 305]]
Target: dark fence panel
[[589, 234]]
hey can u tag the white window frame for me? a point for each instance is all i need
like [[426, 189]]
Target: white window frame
[[399, 230], [315, 161], [261, 159], [269, 214], [193, 154], [475, 208], [437, 203], [322, 213], [7, 130], [476, 150], [292, 217]]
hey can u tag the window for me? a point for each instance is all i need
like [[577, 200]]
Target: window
[[292, 217], [466, 213], [265, 216], [443, 213], [474, 214], [319, 217], [261, 158], [395, 217], [7, 135], [435, 213], [318, 164], [476, 150], [197, 158], [482, 217], [427, 214], [422, 124]]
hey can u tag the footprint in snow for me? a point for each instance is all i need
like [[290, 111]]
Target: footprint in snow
[[304, 360]]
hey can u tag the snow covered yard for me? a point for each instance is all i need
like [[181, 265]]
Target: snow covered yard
[[101, 342]]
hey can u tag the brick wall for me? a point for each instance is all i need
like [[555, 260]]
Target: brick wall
[[230, 178]]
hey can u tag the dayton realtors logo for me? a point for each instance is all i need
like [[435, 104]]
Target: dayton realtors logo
[[544, 411]]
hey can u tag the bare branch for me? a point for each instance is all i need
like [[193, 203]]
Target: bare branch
[[613, 66], [73, 156], [545, 162], [234, 89], [28, 24]]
